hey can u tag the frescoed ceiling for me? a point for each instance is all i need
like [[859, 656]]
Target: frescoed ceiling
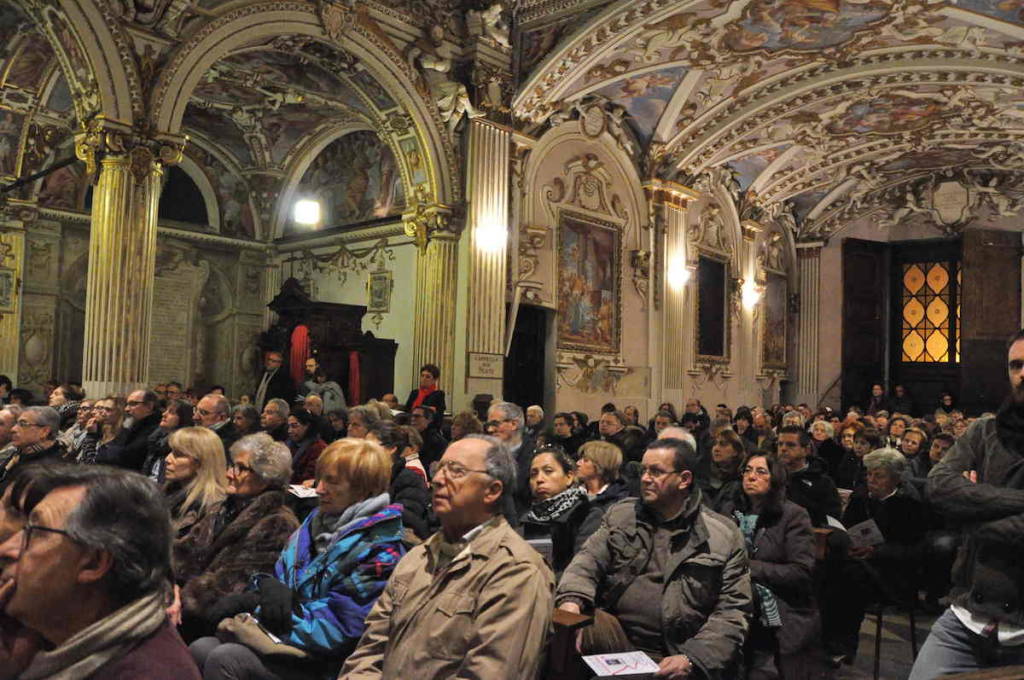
[[810, 103]]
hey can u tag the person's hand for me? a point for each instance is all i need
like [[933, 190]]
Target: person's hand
[[276, 601], [309, 483], [674, 668], [93, 424], [971, 476], [229, 605], [863, 553], [571, 607], [174, 610]]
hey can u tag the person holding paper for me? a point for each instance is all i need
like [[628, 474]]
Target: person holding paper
[[886, 522], [326, 580], [666, 549], [780, 543]]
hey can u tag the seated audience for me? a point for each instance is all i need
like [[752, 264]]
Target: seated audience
[[411, 454], [104, 437], [597, 470], [465, 423], [274, 419], [825, 446], [534, 421], [422, 418], [338, 420], [34, 438], [214, 411], [305, 444], [666, 548], [662, 419], [743, 425], [89, 573], [405, 487], [246, 420], [914, 448], [473, 601], [360, 420], [785, 631], [428, 394], [724, 481], [328, 391], [886, 571], [143, 408], [612, 426], [176, 415], [195, 481], [74, 436], [244, 537], [559, 506], [327, 578], [809, 484]]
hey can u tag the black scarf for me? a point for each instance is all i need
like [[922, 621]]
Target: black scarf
[[1010, 426]]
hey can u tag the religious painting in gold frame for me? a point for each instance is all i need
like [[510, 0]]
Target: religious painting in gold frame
[[713, 314], [775, 314], [589, 269]]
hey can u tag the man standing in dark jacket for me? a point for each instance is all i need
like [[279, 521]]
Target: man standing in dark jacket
[[979, 484], [142, 408], [809, 484], [275, 382]]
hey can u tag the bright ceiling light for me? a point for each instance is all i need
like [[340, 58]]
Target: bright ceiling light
[[306, 212]]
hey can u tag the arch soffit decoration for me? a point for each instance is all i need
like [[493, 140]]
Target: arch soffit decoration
[[307, 153], [192, 169], [607, 149], [95, 55], [968, 50], [244, 26]]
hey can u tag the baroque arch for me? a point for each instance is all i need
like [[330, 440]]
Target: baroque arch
[[409, 116]]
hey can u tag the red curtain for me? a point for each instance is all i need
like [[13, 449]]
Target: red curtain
[[354, 391], [300, 352]]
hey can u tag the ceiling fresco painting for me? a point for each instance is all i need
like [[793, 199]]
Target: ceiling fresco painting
[[645, 97], [866, 93]]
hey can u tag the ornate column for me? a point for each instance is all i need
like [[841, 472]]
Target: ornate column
[[487, 205], [668, 202], [436, 232], [809, 260], [126, 169]]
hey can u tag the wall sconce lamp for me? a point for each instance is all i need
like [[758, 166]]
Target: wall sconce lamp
[[491, 236], [678, 274], [306, 212], [751, 294]]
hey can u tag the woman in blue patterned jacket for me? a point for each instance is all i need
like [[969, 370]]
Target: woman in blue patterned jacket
[[328, 577]]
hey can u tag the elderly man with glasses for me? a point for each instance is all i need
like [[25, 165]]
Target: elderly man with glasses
[[214, 411], [506, 421], [89, 572], [474, 600], [34, 436], [670, 576]]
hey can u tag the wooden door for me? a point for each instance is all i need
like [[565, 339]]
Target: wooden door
[[865, 282]]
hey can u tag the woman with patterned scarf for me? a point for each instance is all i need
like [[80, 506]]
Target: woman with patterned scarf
[[785, 631], [559, 505]]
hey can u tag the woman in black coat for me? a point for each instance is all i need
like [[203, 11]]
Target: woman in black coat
[[407, 487], [559, 506], [784, 633]]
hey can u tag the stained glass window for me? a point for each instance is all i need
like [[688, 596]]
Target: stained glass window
[[930, 312]]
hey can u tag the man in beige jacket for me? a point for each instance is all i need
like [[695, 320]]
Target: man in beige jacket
[[474, 600]]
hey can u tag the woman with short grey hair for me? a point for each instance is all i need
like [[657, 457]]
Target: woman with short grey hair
[[360, 420], [214, 562], [889, 460]]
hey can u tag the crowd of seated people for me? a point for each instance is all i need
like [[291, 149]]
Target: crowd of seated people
[[390, 541]]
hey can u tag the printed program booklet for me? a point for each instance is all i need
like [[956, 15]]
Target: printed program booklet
[[634, 665]]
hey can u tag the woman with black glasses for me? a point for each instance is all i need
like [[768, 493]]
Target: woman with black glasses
[[216, 560]]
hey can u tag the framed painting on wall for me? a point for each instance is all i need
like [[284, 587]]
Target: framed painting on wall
[[712, 309], [379, 288], [773, 342], [589, 267]]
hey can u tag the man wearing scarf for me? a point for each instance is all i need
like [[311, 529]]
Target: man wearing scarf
[[979, 485], [34, 438], [90, 574]]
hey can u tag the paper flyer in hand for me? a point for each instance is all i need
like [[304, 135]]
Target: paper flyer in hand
[[624, 665]]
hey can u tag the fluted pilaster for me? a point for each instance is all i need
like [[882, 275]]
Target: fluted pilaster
[[436, 288], [12, 263], [122, 254], [809, 260], [487, 219]]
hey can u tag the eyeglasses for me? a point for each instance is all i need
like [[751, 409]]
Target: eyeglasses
[[760, 472], [25, 423], [495, 423], [239, 468], [108, 409], [202, 411], [655, 473], [453, 470], [134, 403], [29, 529]]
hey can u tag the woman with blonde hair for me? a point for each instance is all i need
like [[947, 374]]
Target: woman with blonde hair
[[105, 436], [195, 477], [597, 470]]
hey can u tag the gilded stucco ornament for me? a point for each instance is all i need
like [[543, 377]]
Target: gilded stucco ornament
[[100, 137], [427, 220]]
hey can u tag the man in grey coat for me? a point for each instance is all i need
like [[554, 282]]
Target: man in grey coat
[[667, 548]]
